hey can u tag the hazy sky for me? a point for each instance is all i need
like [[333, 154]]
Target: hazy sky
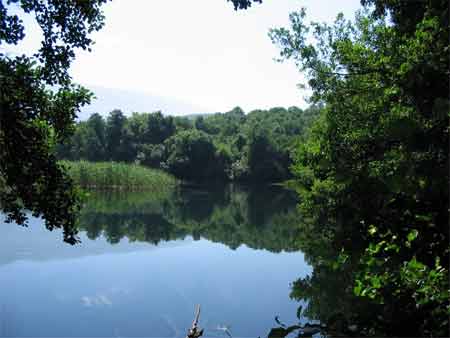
[[201, 52]]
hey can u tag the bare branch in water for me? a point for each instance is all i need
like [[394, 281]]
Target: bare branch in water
[[195, 331]]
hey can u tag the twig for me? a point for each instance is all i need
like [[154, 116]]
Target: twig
[[195, 331]]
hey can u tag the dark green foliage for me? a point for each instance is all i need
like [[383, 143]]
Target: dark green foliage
[[152, 155], [243, 4], [182, 123], [218, 147], [159, 128], [88, 142], [96, 138], [65, 27], [192, 156], [33, 118], [200, 125], [117, 138], [373, 175], [264, 162]]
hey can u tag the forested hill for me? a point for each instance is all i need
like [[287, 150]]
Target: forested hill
[[223, 146]]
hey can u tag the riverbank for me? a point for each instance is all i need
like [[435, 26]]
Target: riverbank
[[118, 176]]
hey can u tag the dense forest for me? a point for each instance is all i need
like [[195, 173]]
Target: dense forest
[[253, 147]]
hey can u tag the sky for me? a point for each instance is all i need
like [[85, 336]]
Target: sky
[[198, 52]]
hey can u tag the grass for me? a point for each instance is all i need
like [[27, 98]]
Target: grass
[[120, 176]]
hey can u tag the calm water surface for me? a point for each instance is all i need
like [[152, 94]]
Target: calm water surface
[[146, 261]]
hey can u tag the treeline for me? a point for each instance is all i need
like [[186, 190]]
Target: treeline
[[219, 147]]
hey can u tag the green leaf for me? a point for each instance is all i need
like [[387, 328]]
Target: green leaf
[[412, 235]]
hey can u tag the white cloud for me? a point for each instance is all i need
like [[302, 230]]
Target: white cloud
[[97, 300]]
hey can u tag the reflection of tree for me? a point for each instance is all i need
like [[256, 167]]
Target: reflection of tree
[[329, 290], [331, 300], [151, 228], [196, 204], [262, 218]]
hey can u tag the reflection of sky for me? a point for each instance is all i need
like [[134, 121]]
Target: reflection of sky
[[38, 244], [147, 292]]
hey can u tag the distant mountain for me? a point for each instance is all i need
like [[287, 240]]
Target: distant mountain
[[196, 115], [108, 99]]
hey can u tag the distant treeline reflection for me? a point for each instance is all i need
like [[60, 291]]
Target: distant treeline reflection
[[261, 218]]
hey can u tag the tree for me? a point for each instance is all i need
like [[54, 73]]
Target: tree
[[96, 138], [375, 171], [159, 128], [120, 139], [200, 123], [263, 159], [151, 155], [115, 131], [137, 125], [34, 118], [192, 156]]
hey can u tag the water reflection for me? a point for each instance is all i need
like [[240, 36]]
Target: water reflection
[[144, 263], [260, 218]]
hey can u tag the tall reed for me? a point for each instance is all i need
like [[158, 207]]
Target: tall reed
[[114, 175]]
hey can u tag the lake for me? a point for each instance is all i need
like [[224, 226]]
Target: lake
[[145, 262]]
